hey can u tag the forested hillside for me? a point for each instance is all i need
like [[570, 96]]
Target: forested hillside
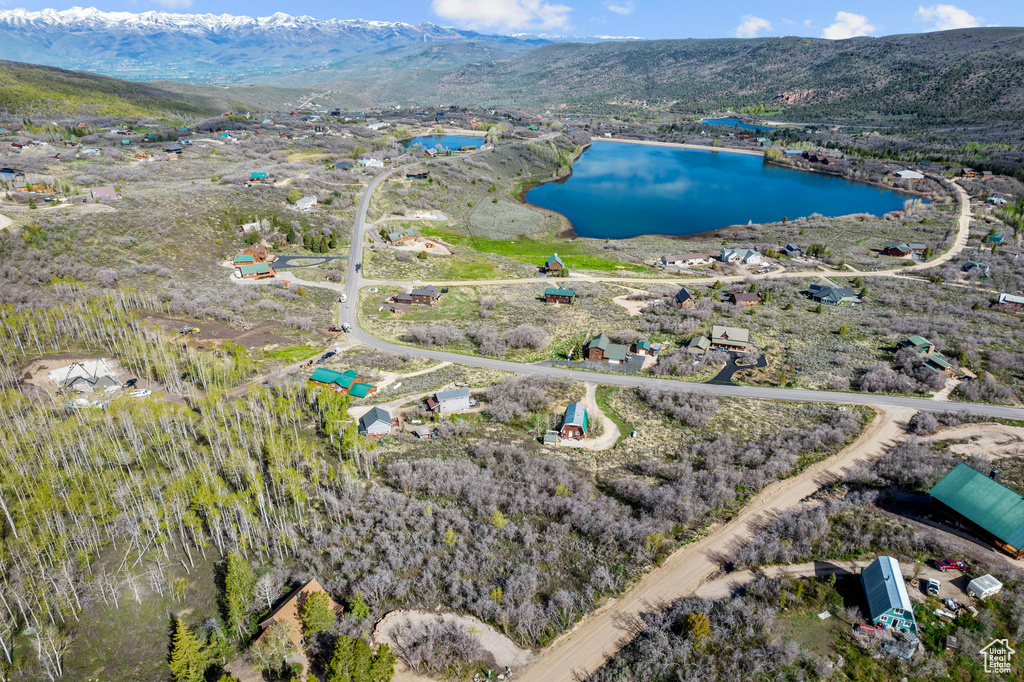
[[32, 90], [969, 74]]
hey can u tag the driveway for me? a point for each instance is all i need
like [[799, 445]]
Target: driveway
[[304, 261], [724, 378]]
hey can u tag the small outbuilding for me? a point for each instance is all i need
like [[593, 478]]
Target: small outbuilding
[[983, 587], [684, 299]]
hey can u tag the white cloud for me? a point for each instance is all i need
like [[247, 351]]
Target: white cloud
[[750, 26], [620, 7], [848, 25], [946, 17], [503, 14], [175, 4], [808, 23]]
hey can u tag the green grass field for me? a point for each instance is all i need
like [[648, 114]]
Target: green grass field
[[293, 353]]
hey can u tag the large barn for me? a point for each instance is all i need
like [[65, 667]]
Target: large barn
[[983, 505]]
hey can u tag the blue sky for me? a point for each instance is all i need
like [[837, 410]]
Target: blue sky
[[643, 18]]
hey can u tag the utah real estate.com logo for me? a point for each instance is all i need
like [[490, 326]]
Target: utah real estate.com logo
[[997, 656]]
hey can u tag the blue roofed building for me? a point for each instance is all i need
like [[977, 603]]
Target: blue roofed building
[[888, 602], [574, 425]]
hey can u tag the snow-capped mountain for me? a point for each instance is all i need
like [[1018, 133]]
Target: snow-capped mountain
[[164, 44]]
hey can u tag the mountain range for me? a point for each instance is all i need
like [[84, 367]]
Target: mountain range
[[970, 75], [165, 45]]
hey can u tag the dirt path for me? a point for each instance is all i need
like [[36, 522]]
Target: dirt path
[[950, 583], [598, 636], [5, 222]]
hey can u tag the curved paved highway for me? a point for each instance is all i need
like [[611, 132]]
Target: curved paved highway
[[355, 281]]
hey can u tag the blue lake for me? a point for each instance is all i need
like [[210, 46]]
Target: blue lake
[[452, 142], [626, 190], [734, 122]]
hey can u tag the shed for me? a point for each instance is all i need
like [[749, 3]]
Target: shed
[[698, 344], [376, 422], [984, 505], [574, 424], [888, 602], [983, 587]]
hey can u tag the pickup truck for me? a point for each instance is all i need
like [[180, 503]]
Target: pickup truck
[[346, 327], [932, 587]]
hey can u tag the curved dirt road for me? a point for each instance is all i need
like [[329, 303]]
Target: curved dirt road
[[597, 637]]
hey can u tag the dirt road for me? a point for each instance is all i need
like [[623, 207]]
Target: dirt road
[[598, 636]]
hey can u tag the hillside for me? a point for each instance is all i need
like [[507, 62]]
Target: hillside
[[969, 74], [32, 90]]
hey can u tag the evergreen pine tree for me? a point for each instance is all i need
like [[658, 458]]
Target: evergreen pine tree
[[383, 667], [188, 660], [340, 667], [316, 613], [358, 607]]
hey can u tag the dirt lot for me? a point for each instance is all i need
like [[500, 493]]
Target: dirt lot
[[989, 441], [35, 381], [501, 649], [215, 331]]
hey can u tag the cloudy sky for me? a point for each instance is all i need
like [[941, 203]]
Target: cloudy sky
[[643, 18]]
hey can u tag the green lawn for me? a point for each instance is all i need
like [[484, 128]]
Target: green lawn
[[293, 353]]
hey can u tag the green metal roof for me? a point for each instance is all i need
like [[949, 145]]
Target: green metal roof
[[259, 176], [554, 259], [987, 503], [326, 376], [560, 292], [258, 269], [643, 344], [360, 390], [244, 258]]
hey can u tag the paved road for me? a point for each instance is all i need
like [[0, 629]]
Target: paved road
[[355, 281]]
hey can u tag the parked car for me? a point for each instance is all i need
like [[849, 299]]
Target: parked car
[[346, 327], [932, 587], [344, 297], [335, 329], [951, 565]]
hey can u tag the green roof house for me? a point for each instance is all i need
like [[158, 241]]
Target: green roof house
[[362, 390], [554, 264], [258, 176], [933, 359], [244, 259], [574, 424], [995, 238], [888, 602], [559, 295], [601, 349], [984, 505]]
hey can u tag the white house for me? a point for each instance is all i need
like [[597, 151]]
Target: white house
[[446, 402], [378, 126], [376, 422], [305, 203], [909, 175], [370, 162], [749, 256]]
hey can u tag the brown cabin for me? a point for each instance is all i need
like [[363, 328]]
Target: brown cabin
[[747, 299], [287, 613], [259, 252]]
